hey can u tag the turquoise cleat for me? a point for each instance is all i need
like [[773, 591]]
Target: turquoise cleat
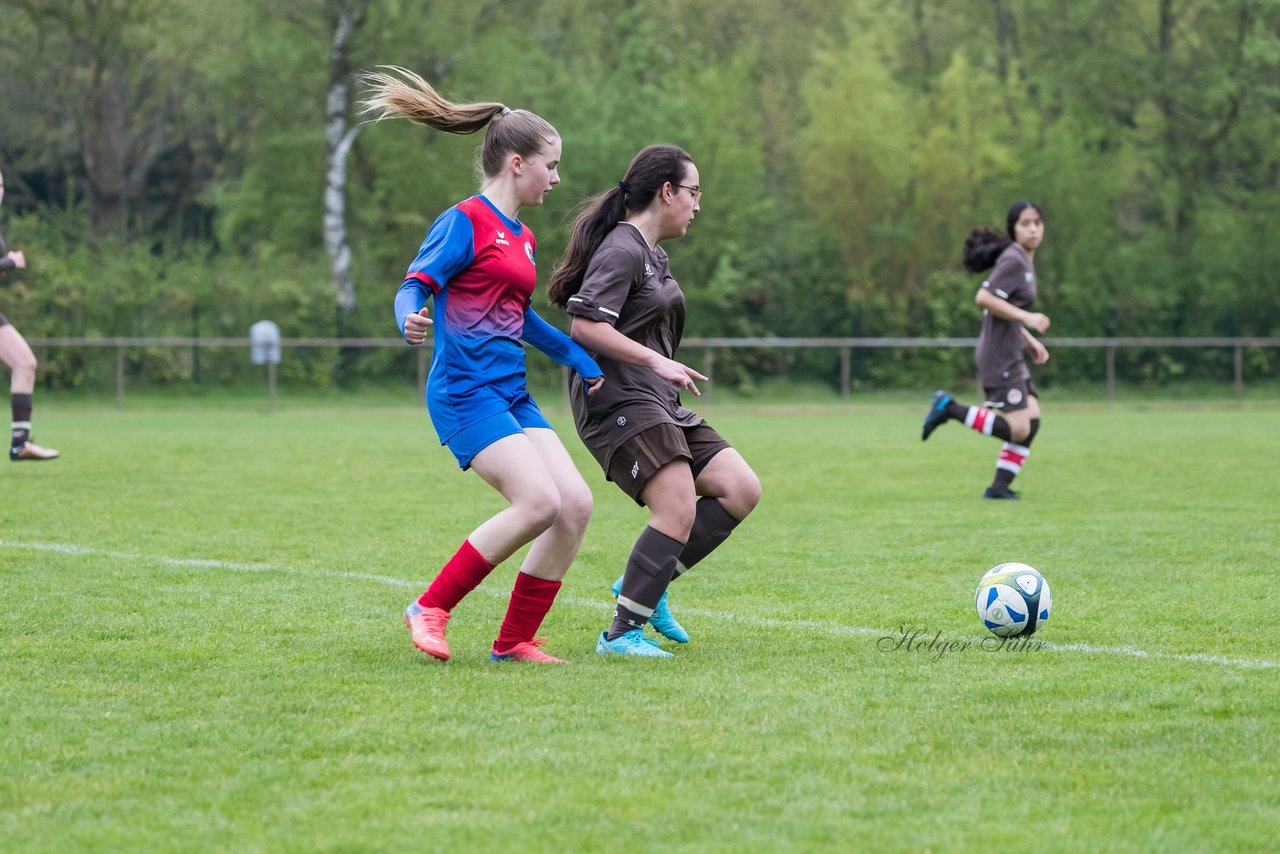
[[937, 414], [663, 621], [632, 643]]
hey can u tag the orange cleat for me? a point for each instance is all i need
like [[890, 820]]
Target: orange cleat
[[31, 451], [526, 651], [426, 626]]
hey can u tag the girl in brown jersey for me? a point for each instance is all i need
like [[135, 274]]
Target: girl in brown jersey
[[16, 355], [1006, 297], [628, 312]]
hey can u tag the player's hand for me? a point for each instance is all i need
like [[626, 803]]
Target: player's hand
[[1037, 321], [18, 258], [415, 327], [594, 384], [679, 375], [1039, 355]]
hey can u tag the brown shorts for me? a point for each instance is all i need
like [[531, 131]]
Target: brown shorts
[[1011, 396], [639, 457], [3, 320]]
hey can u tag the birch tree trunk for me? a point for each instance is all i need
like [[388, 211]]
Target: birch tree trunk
[[340, 135]]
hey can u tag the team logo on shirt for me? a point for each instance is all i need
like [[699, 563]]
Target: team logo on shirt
[[622, 421], [528, 250], [1030, 276], [501, 239], [648, 271]]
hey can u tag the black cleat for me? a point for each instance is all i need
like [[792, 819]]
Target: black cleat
[[31, 451], [1005, 494], [937, 414]]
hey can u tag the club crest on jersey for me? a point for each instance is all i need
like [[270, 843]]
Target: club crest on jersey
[[501, 239], [528, 250]]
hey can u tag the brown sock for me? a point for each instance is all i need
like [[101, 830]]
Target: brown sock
[[649, 571]]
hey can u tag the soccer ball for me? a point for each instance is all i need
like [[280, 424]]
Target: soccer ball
[[1013, 599]]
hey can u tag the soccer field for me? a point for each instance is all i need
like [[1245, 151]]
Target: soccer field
[[201, 645]]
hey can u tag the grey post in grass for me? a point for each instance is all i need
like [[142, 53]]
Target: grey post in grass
[[264, 349]]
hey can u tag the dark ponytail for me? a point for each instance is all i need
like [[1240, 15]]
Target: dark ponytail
[[983, 246], [981, 249], [653, 167]]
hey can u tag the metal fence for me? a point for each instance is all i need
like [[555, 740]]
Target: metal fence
[[709, 346]]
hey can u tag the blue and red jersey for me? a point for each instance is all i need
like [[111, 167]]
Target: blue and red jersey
[[479, 267]]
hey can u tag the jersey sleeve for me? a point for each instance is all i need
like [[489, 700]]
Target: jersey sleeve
[[1008, 280], [448, 249], [557, 345], [605, 286]]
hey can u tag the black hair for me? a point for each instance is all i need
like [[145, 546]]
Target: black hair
[[983, 245], [649, 171]]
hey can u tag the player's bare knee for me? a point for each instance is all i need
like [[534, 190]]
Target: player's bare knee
[[576, 505], [675, 516], [24, 369], [540, 510], [747, 494]]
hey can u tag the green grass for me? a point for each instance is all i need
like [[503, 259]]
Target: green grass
[[215, 660]]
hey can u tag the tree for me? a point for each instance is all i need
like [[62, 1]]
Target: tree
[[115, 82]]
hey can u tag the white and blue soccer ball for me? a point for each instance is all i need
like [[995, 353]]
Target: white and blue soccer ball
[[1013, 599]]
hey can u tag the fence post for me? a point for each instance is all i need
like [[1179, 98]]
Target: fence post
[[119, 376], [1111, 374], [1239, 373], [708, 366], [844, 374]]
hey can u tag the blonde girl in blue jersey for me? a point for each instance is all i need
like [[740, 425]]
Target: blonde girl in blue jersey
[[477, 265]]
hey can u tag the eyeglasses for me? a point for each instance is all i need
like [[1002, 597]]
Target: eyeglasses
[[695, 191]]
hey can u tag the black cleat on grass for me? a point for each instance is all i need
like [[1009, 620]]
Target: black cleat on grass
[[1004, 494], [937, 414]]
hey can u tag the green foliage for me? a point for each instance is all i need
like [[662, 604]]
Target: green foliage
[[847, 149]]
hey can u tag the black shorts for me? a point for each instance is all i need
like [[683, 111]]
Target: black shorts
[[3, 320], [1011, 396], [639, 457]]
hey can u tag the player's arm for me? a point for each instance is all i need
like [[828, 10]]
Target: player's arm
[[411, 311], [561, 348], [446, 251], [1006, 310], [599, 336], [1036, 350]]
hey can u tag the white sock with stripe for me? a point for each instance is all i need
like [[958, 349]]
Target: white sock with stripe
[[980, 419], [1013, 457]]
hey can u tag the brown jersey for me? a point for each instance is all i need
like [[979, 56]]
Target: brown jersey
[[629, 286], [1000, 345]]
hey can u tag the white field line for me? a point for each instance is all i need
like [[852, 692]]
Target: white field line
[[833, 629]]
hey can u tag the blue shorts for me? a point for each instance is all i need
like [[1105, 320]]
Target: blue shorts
[[469, 441]]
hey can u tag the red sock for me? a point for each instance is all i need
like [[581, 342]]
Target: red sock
[[464, 571], [530, 601]]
